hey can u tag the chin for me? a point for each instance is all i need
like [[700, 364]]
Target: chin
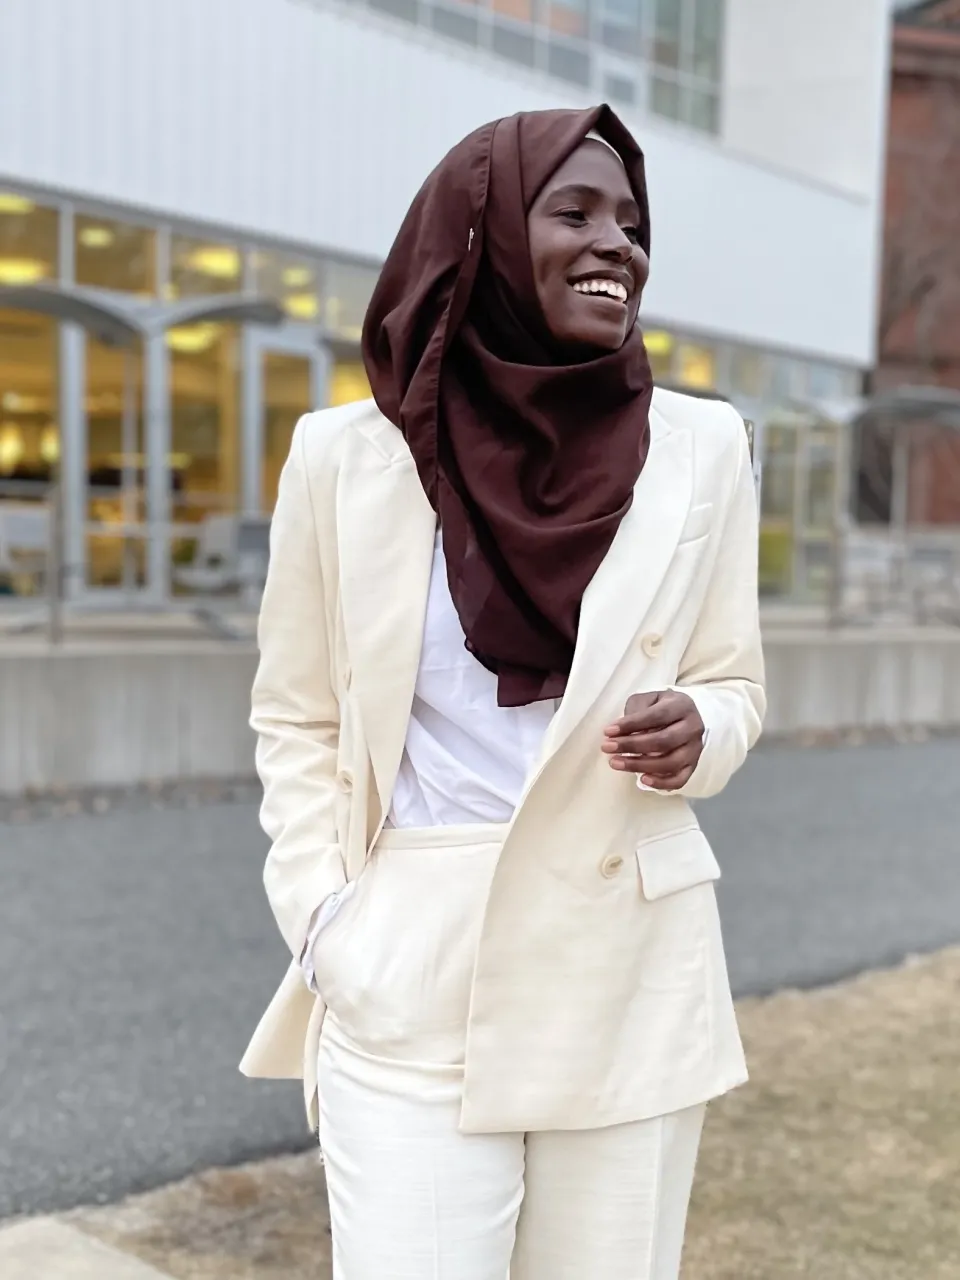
[[602, 338]]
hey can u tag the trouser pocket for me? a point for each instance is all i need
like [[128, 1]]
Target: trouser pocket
[[395, 965]]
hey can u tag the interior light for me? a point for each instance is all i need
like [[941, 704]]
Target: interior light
[[219, 261], [96, 237], [50, 444], [14, 402], [17, 271], [658, 342], [10, 202], [11, 447], [302, 306], [296, 277], [191, 339], [696, 368]]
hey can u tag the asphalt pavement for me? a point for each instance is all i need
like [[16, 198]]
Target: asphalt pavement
[[137, 951]]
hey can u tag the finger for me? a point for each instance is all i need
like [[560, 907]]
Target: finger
[[672, 783], [657, 716], [658, 766], [656, 742]]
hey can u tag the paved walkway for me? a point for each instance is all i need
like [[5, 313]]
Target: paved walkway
[[138, 951], [44, 1249]]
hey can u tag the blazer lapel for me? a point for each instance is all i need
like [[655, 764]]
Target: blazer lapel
[[386, 529], [623, 588]]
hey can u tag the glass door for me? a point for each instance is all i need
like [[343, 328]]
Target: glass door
[[284, 378], [115, 521]]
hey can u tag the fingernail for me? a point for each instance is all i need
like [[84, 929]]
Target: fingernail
[[617, 763]]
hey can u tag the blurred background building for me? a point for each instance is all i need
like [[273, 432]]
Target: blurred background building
[[231, 150], [919, 313]]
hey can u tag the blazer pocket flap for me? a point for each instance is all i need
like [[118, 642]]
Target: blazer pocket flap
[[676, 861], [698, 522]]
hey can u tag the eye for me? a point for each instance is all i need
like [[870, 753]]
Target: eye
[[632, 234], [576, 217]]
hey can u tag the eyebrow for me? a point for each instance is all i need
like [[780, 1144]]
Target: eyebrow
[[585, 191]]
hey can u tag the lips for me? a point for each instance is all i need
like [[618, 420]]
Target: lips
[[603, 288]]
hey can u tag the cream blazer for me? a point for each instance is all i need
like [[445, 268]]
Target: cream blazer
[[587, 1009]]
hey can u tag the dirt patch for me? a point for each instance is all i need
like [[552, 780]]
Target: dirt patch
[[840, 1161]]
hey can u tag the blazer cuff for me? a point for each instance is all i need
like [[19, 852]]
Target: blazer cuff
[[295, 900]]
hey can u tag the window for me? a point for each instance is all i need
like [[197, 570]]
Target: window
[[566, 18], [348, 382], [748, 371], [456, 24], [200, 267], [687, 58], [660, 349], [515, 10], [517, 46], [665, 97], [668, 33], [348, 294], [114, 255], [621, 26], [703, 57], [292, 281], [115, 467], [28, 240], [288, 395], [696, 367], [29, 437], [205, 423]]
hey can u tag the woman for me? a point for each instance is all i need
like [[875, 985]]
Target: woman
[[510, 630]]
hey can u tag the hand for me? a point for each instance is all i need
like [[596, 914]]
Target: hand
[[660, 737]]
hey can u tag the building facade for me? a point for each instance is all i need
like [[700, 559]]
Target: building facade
[[237, 149], [919, 312]]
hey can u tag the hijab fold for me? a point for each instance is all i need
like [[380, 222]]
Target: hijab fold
[[529, 462]]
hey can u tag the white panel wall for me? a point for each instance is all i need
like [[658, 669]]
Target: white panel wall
[[806, 87], [318, 125]]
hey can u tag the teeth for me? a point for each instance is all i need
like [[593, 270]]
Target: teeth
[[612, 288]]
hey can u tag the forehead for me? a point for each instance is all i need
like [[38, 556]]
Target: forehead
[[592, 165]]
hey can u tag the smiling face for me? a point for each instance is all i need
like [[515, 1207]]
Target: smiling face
[[588, 266]]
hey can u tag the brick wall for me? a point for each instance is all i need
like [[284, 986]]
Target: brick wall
[[919, 340]]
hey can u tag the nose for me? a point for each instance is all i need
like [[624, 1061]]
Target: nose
[[613, 245]]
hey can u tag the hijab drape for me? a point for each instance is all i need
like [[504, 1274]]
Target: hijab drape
[[529, 462]]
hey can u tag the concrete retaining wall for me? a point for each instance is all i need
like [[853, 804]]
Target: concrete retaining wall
[[121, 716], [116, 716]]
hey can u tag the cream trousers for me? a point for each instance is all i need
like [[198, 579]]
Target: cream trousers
[[412, 1198]]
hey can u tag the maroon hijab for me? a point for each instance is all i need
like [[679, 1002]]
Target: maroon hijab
[[529, 462]]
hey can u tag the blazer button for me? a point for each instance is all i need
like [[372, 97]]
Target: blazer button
[[611, 867], [344, 781], [652, 645]]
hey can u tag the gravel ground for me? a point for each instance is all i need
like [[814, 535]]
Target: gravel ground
[[138, 951], [840, 1160]]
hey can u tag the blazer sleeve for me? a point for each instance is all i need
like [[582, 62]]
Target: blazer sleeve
[[722, 667], [295, 713]]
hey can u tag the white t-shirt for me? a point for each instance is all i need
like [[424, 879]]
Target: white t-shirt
[[466, 759]]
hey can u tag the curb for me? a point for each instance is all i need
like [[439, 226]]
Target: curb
[[46, 1249]]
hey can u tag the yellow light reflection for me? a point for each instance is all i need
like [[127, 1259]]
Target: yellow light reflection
[[192, 339], [10, 202], [220, 261], [15, 271], [11, 448], [302, 306], [96, 237]]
